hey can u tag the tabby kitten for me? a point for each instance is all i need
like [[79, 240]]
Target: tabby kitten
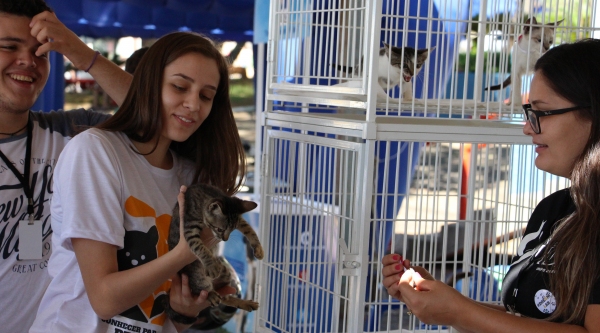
[[208, 207], [392, 70], [528, 48]]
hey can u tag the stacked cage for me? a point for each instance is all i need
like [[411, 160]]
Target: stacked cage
[[383, 132]]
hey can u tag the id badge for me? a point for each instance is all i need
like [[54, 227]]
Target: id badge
[[30, 239]]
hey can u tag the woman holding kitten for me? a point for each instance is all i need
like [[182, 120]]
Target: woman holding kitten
[[115, 187], [553, 284]]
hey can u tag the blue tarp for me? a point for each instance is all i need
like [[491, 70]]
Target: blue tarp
[[220, 19]]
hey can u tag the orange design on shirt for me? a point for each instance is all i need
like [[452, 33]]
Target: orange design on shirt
[[137, 208]]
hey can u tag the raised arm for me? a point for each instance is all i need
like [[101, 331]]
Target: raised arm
[[55, 36]]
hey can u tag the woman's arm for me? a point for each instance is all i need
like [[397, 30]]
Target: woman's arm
[[434, 302], [111, 291]]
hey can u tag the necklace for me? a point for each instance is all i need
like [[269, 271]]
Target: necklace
[[13, 133]]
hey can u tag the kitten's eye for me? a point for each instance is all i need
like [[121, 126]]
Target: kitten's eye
[[539, 40]]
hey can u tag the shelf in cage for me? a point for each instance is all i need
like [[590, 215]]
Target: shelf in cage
[[439, 107], [403, 128]]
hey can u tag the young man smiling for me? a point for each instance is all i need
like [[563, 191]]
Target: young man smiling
[[30, 144]]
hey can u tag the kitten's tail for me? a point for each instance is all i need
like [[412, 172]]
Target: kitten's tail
[[505, 84], [345, 69]]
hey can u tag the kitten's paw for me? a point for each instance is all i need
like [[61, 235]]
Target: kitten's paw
[[259, 253], [213, 298], [248, 305]]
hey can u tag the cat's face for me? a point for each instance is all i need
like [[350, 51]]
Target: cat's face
[[539, 38], [223, 215], [412, 62]]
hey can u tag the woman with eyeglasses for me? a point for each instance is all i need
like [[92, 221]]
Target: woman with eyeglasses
[[553, 284]]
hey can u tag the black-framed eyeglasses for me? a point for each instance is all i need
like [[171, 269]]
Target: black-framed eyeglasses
[[533, 116]]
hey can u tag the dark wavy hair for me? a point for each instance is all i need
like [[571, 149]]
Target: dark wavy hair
[[215, 147], [29, 8], [573, 72]]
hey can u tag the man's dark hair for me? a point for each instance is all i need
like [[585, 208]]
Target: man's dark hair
[[134, 59], [29, 8]]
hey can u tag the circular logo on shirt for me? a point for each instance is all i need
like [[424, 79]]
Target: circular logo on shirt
[[545, 301]]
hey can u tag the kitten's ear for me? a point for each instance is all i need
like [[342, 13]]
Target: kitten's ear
[[387, 48], [425, 51], [422, 54], [248, 205], [557, 23], [529, 21], [215, 207]]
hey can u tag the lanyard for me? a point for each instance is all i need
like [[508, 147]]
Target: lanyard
[[24, 179]]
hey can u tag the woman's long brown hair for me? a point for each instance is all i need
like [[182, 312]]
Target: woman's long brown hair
[[573, 72], [215, 148]]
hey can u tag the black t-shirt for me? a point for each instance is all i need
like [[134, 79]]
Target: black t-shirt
[[528, 276]]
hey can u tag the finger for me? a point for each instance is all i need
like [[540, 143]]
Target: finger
[[176, 282], [41, 22], [202, 299], [181, 202], [43, 16], [185, 286], [43, 49], [391, 259], [391, 286], [421, 283], [406, 283], [175, 287], [394, 268], [423, 273], [227, 290]]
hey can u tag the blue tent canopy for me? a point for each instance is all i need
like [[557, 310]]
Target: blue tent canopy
[[220, 19]]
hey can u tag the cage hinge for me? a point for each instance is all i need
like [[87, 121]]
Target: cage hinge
[[350, 263]]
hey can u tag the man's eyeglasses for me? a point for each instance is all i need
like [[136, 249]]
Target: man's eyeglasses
[[533, 116]]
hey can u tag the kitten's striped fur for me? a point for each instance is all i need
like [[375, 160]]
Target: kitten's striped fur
[[208, 207]]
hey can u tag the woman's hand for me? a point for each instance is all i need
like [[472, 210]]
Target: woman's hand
[[394, 267], [182, 300], [433, 302], [183, 247]]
